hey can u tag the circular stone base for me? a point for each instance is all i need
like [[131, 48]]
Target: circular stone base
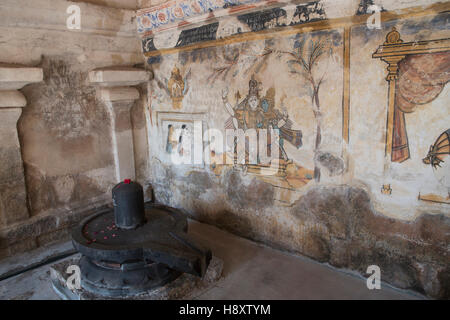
[[186, 286], [116, 282]]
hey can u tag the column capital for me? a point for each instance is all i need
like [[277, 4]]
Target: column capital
[[119, 76], [14, 77], [118, 94], [12, 99], [13, 198], [392, 67]]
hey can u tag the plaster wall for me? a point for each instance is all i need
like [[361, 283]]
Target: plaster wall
[[363, 209]]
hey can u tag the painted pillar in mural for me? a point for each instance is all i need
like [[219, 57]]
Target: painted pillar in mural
[[417, 73]]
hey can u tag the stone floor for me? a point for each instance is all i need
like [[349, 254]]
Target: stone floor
[[251, 271]]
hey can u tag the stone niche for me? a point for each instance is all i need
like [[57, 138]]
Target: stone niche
[[13, 198]]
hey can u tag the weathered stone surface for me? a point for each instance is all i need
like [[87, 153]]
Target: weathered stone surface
[[65, 134], [334, 164], [122, 141], [256, 194], [20, 262], [34, 18], [118, 94], [181, 288], [47, 228], [12, 99], [141, 145], [57, 236], [12, 167], [16, 77], [119, 98], [13, 199], [8, 124], [411, 255], [334, 224], [17, 247], [119, 76], [121, 4], [214, 271]]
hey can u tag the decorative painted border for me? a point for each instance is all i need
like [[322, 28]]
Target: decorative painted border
[[178, 12], [275, 17], [154, 52]]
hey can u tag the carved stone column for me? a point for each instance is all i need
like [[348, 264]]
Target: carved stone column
[[13, 197], [116, 91]]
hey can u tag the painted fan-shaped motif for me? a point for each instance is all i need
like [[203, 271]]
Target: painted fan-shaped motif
[[439, 150]]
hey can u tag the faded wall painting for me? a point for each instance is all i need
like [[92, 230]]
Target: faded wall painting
[[282, 88], [177, 87], [178, 132], [438, 158], [409, 73], [421, 79], [339, 186], [178, 138], [418, 73], [292, 86]]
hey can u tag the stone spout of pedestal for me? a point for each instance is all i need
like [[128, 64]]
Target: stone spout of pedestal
[[13, 198], [115, 89]]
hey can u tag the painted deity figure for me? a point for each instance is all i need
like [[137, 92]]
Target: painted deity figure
[[177, 88], [172, 141], [248, 112], [254, 112], [184, 143]]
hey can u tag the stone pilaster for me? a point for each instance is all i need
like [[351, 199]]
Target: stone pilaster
[[13, 197], [115, 89]]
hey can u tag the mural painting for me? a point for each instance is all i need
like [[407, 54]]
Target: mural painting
[[418, 73], [177, 87], [439, 159], [179, 131], [257, 112], [179, 139], [385, 174], [259, 108], [234, 86]]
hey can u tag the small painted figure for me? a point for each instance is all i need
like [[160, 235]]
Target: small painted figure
[[177, 87], [184, 143], [172, 141], [439, 158]]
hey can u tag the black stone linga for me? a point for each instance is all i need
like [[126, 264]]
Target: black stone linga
[[136, 247], [128, 201]]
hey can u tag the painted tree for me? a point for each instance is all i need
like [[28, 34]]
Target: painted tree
[[303, 61]]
